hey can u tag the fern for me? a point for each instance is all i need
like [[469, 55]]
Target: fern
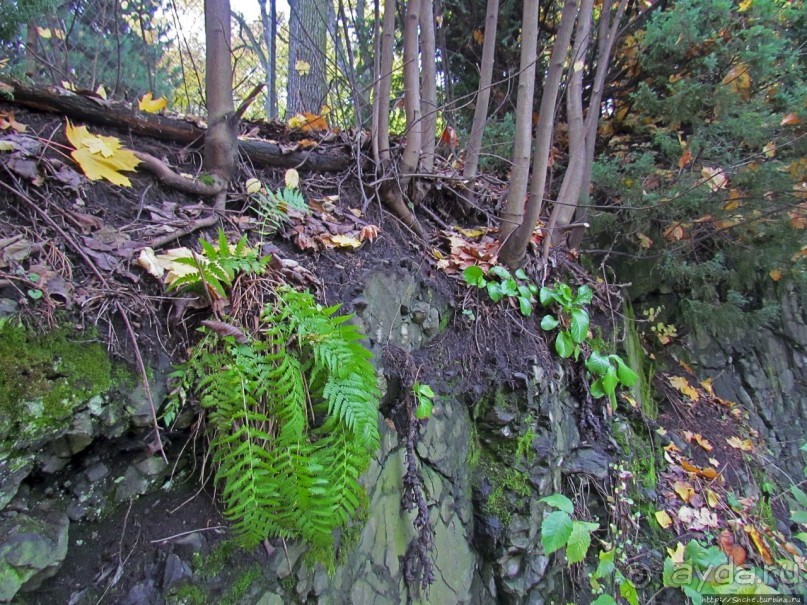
[[294, 420], [217, 267], [273, 208]]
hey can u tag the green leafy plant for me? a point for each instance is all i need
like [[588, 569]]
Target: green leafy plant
[[610, 371], [705, 570], [573, 317], [798, 511], [499, 283], [272, 207], [424, 395], [560, 530], [216, 267], [293, 420]]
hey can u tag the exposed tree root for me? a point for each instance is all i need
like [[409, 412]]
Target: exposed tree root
[[168, 177]]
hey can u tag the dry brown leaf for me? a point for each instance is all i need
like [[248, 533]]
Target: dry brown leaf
[[7, 121], [734, 552], [478, 36], [685, 158], [674, 232], [715, 178], [790, 119], [369, 233]]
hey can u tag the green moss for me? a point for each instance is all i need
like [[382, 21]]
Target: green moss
[[524, 449], [242, 584], [216, 562], [45, 376], [188, 594]]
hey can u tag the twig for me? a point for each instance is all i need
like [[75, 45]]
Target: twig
[[186, 533]]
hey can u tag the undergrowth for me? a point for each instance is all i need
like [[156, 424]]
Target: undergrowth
[[292, 415]]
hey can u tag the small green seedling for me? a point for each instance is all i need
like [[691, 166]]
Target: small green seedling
[[573, 317], [610, 370], [500, 283], [425, 400]]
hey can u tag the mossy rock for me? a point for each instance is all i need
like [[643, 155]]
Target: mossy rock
[[45, 378]]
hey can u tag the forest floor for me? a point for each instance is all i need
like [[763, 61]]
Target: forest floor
[[81, 240]]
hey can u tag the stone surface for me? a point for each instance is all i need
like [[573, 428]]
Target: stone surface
[[31, 550]]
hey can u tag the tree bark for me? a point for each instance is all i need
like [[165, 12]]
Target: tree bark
[[519, 178], [428, 91], [569, 193], [383, 80], [483, 96], [519, 221], [308, 38], [171, 130], [269, 23], [221, 136]]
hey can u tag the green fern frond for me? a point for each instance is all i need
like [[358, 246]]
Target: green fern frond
[[294, 418]]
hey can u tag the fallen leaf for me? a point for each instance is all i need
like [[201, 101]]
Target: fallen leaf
[[712, 499], [345, 241], [101, 91], [253, 186], [703, 442], [474, 232], [734, 552], [769, 150], [355, 212], [7, 121], [682, 385], [148, 261], [790, 119], [739, 80], [685, 158], [775, 274], [706, 473], [100, 157], [759, 543], [677, 554], [644, 241], [684, 490], [292, 178], [744, 445], [151, 105], [663, 519], [307, 122], [674, 232], [715, 178]]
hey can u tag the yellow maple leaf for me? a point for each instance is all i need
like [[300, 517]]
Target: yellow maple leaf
[[151, 105], [302, 67], [677, 555], [684, 490], [345, 241], [663, 519], [756, 538], [100, 157], [43, 32], [682, 386]]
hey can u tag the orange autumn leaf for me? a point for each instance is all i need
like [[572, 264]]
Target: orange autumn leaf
[[744, 445], [707, 472], [478, 36], [674, 232], [775, 274], [790, 119], [734, 551], [685, 158]]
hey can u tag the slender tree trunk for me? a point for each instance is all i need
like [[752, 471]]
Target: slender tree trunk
[[220, 139], [411, 72], [569, 193], [608, 31], [308, 38], [428, 94], [383, 80], [519, 221], [519, 177], [269, 22], [483, 96]]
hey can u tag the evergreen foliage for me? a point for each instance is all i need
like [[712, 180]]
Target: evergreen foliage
[[293, 420]]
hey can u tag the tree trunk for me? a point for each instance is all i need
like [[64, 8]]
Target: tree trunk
[[519, 221], [519, 178], [383, 80], [269, 22], [483, 96], [220, 138], [608, 31], [569, 193], [308, 38], [428, 93]]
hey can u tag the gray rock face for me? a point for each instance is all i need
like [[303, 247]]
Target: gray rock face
[[765, 370], [31, 550]]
